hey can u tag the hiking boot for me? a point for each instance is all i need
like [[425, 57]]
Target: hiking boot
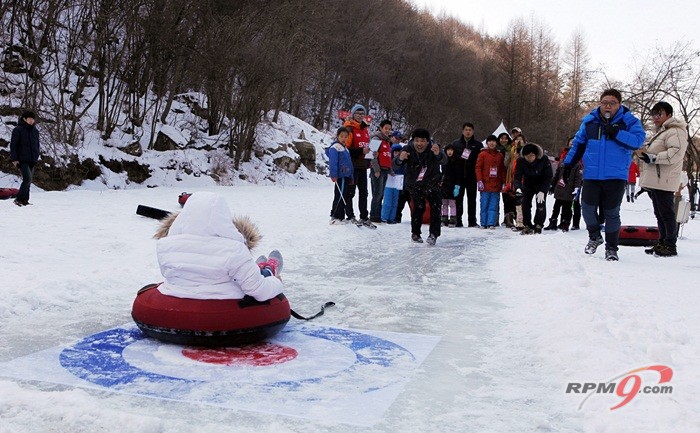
[[417, 239], [593, 245], [564, 226], [431, 239], [552, 225], [509, 220], [666, 251], [452, 222], [275, 262], [367, 223], [611, 255], [18, 202], [526, 231], [653, 249], [444, 220], [538, 229]]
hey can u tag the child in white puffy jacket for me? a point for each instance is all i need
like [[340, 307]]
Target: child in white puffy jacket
[[204, 254]]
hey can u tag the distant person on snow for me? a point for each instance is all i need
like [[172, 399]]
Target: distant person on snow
[[490, 181], [632, 180], [380, 166], [358, 145], [467, 149], [533, 174], [390, 203], [564, 191], [605, 141], [340, 170], [24, 153], [450, 188], [204, 254], [422, 159]]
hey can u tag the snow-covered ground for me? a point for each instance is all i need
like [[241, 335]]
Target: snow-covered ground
[[520, 317]]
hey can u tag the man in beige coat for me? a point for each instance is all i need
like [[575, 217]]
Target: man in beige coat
[[662, 161]]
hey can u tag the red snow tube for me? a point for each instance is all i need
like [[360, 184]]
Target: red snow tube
[[638, 236], [208, 322], [426, 214], [6, 193], [182, 198]]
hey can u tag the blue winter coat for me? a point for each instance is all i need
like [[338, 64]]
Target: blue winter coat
[[24, 144], [339, 161], [605, 158]]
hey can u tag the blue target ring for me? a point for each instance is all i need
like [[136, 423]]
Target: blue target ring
[[99, 359]]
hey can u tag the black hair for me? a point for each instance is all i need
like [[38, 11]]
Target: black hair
[[384, 122], [662, 106], [529, 148], [507, 136], [612, 92], [421, 133], [27, 114], [492, 138], [469, 124], [342, 129]]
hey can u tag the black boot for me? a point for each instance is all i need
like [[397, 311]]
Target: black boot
[[552, 224], [444, 220], [451, 222], [564, 226]]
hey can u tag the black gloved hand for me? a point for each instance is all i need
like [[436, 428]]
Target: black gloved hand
[[551, 189], [612, 130], [649, 158]]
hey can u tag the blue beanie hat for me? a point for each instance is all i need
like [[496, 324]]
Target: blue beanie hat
[[357, 107], [396, 147]]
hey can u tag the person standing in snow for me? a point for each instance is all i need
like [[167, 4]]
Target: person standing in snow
[[605, 141], [24, 153], [390, 203], [467, 149], [662, 160], [533, 174], [564, 191], [358, 145], [422, 159], [509, 155], [205, 254], [450, 189], [404, 195], [380, 166], [340, 170], [490, 180], [632, 180]]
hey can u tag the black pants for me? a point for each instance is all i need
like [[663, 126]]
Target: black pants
[[27, 170], [665, 212], [434, 197], [508, 203], [342, 199], [469, 188], [404, 197], [540, 209], [577, 211], [605, 195], [361, 188]]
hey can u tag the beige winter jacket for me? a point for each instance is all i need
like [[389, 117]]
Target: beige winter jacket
[[669, 145]]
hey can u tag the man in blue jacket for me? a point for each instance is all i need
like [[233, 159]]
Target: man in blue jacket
[[605, 141], [24, 152]]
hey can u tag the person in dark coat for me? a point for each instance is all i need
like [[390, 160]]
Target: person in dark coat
[[564, 191], [450, 188], [24, 153], [533, 175], [467, 149], [422, 159]]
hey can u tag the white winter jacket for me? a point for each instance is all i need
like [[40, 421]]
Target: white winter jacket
[[669, 145], [204, 256]]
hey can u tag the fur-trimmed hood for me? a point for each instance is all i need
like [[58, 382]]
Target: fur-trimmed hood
[[206, 214]]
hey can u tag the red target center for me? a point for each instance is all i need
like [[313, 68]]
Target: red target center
[[257, 355]]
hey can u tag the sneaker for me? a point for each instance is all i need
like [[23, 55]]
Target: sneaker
[[391, 222], [538, 229], [376, 220], [431, 239], [552, 225], [575, 227], [593, 245], [666, 251], [653, 249], [492, 227], [611, 255], [275, 261], [367, 223], [355, 221], [417, 239], [337, 222], [260, 260]]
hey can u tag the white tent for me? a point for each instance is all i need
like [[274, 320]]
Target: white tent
[[501, 128]]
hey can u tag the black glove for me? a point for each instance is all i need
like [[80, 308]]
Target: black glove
[[612, 130], [649, 158], [551, 190]]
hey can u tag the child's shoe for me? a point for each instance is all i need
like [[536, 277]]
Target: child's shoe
[[275, 261]]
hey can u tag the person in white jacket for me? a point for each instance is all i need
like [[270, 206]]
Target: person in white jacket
[[204, 254]]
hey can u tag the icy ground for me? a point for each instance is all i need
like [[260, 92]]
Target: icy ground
[[520, 316]]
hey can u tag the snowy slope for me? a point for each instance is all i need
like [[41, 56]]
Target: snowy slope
[[520, 317]]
